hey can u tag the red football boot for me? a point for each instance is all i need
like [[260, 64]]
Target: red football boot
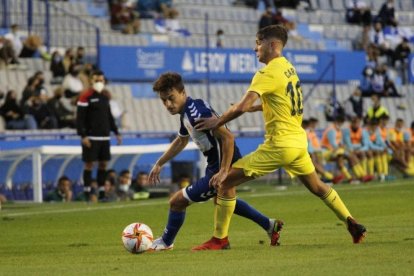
[[214, 244]]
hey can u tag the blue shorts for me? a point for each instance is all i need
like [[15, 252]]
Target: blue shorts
[[201, 191]]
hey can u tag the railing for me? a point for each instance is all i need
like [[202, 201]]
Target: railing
[[59, 28]]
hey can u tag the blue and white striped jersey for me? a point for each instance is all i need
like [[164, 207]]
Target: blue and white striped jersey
[[205, 140]]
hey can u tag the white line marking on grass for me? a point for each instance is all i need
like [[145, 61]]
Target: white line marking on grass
[[154, 203]]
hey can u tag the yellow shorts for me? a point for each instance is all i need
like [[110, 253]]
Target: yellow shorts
[[267, 158]]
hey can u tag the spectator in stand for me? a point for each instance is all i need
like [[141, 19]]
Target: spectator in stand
[[7, 54], [72, 84], [13, 114], [37, 107], [33, 46], [220, 38], [386, 15], [124, 192], [165, 7], [64, 116], [377, 40], [278, 18], [400, 59], [80, 56], [382, 84], [358, 12], [140, 186], [286, 3], [30, 90], [267, 18], [57, 68], [63, 191], [147, 8], [376, 111], [15, 38], [354, 106], [68, 60], [124, 18]]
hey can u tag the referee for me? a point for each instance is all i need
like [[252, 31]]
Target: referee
[[94, 124]]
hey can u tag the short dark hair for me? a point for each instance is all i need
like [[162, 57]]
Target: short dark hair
[[168, 81], [64, 178], [124, 172], [273, 31], [96, 73], [340, 118], [313, 120]]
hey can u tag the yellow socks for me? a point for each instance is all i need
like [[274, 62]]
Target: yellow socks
[[384, 158], [371, 166], [222, 215], [365, 165], [334, 202], [358, 171], [378, 165], [346, 173]]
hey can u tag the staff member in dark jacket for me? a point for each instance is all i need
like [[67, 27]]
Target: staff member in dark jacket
[[94, 124]]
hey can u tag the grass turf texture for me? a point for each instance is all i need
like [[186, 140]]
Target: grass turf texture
[[80, 239]]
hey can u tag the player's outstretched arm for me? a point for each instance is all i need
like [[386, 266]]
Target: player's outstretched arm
[[232, 113], [226, 139], [175, 148]]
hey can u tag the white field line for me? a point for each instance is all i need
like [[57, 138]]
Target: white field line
[[152, 203]]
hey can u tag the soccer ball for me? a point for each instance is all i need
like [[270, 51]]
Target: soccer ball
[[137, 237]]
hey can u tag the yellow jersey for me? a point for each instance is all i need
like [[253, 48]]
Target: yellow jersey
[[279, 88]]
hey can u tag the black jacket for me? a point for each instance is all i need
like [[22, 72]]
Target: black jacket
[[94, 118]]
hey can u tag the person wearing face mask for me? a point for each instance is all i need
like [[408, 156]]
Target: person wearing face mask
[[94, 124], [123, 191], [354, 106]]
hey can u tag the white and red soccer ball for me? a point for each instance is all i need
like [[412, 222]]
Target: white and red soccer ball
[[137, 237]]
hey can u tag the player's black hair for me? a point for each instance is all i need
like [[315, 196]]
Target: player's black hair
[[273, 31], [167, 82], [124, 172], [313, 120]]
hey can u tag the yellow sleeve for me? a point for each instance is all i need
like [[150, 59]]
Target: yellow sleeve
[[262, 82]]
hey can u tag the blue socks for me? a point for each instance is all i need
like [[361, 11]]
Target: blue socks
[[175, 221], [245, 210]]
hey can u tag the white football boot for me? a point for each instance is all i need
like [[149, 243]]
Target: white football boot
[[159, 245]]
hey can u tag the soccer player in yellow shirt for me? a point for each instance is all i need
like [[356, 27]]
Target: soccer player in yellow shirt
[[279, 89]]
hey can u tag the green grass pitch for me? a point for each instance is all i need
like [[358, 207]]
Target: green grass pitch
[[81, 239]]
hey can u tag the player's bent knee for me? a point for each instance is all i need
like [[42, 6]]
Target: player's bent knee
[[178, 202]]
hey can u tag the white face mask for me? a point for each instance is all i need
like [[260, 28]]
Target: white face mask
[[124, 188], [98, 86]]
